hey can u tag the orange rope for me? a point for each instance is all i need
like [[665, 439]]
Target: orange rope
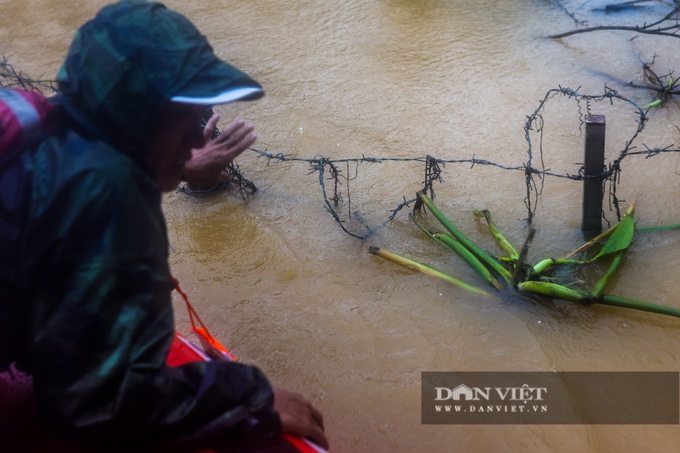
[[193, 314], [211, 346]]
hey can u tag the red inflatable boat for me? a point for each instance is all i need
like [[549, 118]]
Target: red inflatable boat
[[185, 351]]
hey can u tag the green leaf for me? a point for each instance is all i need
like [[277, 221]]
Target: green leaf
[[620, 238]]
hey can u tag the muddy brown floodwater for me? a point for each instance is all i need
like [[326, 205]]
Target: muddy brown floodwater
[[277, 280]]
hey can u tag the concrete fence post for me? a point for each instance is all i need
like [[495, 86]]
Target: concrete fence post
[[593, 169]]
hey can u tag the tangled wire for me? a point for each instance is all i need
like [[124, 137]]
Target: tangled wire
[[535, 173], [330, 169], [11, 78]]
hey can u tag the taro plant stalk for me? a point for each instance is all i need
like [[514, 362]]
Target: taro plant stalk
[[503, 243], [625, 302], [453, 244], [424, 268], [488, 261], [607, 277], [618, 239], [552, 290]]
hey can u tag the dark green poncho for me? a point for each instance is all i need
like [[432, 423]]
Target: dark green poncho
[[86, 287]]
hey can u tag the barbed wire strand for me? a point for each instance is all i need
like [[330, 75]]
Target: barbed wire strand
[[611, 174], [328, 169]]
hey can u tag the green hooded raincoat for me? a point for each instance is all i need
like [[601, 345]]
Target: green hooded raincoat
[[86, 306]]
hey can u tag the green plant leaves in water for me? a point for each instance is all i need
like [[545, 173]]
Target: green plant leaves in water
[[620, 238]]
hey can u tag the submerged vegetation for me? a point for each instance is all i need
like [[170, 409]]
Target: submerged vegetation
[[511, 271], [554, 278]]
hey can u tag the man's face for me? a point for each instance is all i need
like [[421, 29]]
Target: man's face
[[176, 132]]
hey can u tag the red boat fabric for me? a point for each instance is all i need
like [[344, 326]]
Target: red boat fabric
[[184, 351]]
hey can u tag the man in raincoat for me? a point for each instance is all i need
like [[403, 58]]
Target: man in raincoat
[[86, 289]]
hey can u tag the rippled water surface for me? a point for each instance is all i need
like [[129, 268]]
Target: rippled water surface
[[277, 280]]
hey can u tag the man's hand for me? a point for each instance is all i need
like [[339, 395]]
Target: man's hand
[[299, 417], [207, 165]]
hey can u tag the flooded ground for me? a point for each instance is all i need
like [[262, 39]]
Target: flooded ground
[[276, 278]]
